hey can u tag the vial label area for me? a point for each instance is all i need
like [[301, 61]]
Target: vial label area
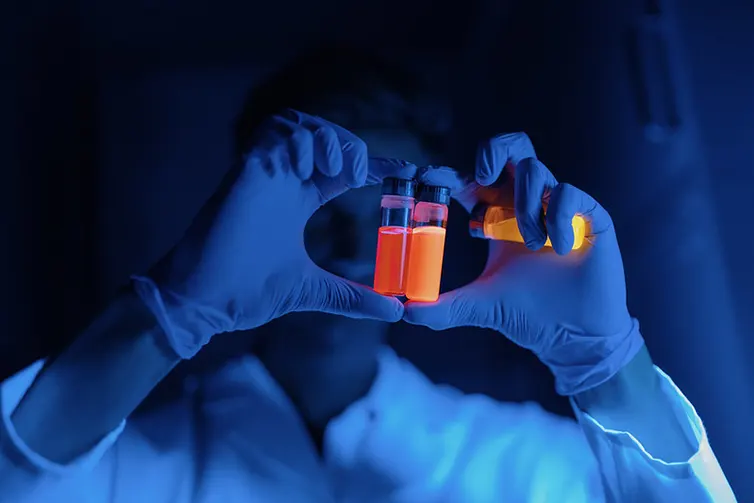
[[392, 256], [425, 264]]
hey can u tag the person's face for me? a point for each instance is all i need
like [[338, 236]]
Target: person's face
[[341, 237]]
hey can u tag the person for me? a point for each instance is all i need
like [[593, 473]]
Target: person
[[328, 414]]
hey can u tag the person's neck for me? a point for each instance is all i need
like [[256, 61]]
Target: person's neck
[[323, 387]]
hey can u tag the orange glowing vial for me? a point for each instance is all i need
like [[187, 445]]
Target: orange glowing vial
[[499, 223], [427, 244], [393, 236]]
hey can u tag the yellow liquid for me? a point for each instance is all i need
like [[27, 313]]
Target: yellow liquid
[[500, 225]]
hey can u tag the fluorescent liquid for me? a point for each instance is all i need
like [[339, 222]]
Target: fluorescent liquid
[[392, 256], [499, 224], [425, 263]]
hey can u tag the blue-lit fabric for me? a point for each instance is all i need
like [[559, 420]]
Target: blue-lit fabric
[[235, 437]]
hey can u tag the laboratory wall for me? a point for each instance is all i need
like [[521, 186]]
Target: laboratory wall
[[115, 128]]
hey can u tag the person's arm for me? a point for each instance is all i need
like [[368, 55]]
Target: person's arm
[[648, 439], [633, 401], [518, 451], [87, 391]]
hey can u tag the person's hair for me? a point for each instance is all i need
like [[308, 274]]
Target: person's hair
[[368, 92]]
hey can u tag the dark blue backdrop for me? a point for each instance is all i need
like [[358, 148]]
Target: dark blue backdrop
[[115, 124]]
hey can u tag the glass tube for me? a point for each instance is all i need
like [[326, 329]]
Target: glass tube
[[427, 244], [393, 236], [499, 223]]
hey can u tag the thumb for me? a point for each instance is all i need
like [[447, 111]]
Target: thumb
[[458, 308], [325, 292]]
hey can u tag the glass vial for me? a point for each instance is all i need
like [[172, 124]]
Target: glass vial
[[393, 236], [427, 244], [499, 223]]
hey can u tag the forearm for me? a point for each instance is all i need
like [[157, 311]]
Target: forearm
[[85, 392], [632, 401]]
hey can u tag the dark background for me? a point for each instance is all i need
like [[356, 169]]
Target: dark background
[[115, 122]]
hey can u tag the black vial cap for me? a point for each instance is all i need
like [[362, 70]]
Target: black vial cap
[[434, 194], [398, 187]]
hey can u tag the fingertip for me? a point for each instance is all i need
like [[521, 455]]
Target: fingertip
[[396, 310], [379, 168], [532, 231], [562, 246], [565, 238], [484, 172], [565, 202], [332, 159], [408, 309], [413, 314], [444, 176], [531, 185], [326, 292], [356, 156], [535, 244], [495, 154], [380, 307], [433, 315]]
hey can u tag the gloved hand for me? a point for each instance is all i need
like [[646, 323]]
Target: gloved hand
[[568, 307], [243, 262]]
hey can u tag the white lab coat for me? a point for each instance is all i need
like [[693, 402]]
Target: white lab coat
[[235, 437]]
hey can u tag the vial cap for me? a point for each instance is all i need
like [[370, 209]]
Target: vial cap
[[476, 221], [435, 194], [398, 187]]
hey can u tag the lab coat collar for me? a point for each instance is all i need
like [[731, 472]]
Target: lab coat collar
[[390, 390], [391, 442], [398, 407]]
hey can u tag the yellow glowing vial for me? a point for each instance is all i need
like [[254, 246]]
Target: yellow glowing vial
[[499, 224]]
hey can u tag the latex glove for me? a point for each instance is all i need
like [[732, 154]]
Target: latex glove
[[568, 307], [243, 262]]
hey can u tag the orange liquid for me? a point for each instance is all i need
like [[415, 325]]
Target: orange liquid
[[392, 256], [425, 263]]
